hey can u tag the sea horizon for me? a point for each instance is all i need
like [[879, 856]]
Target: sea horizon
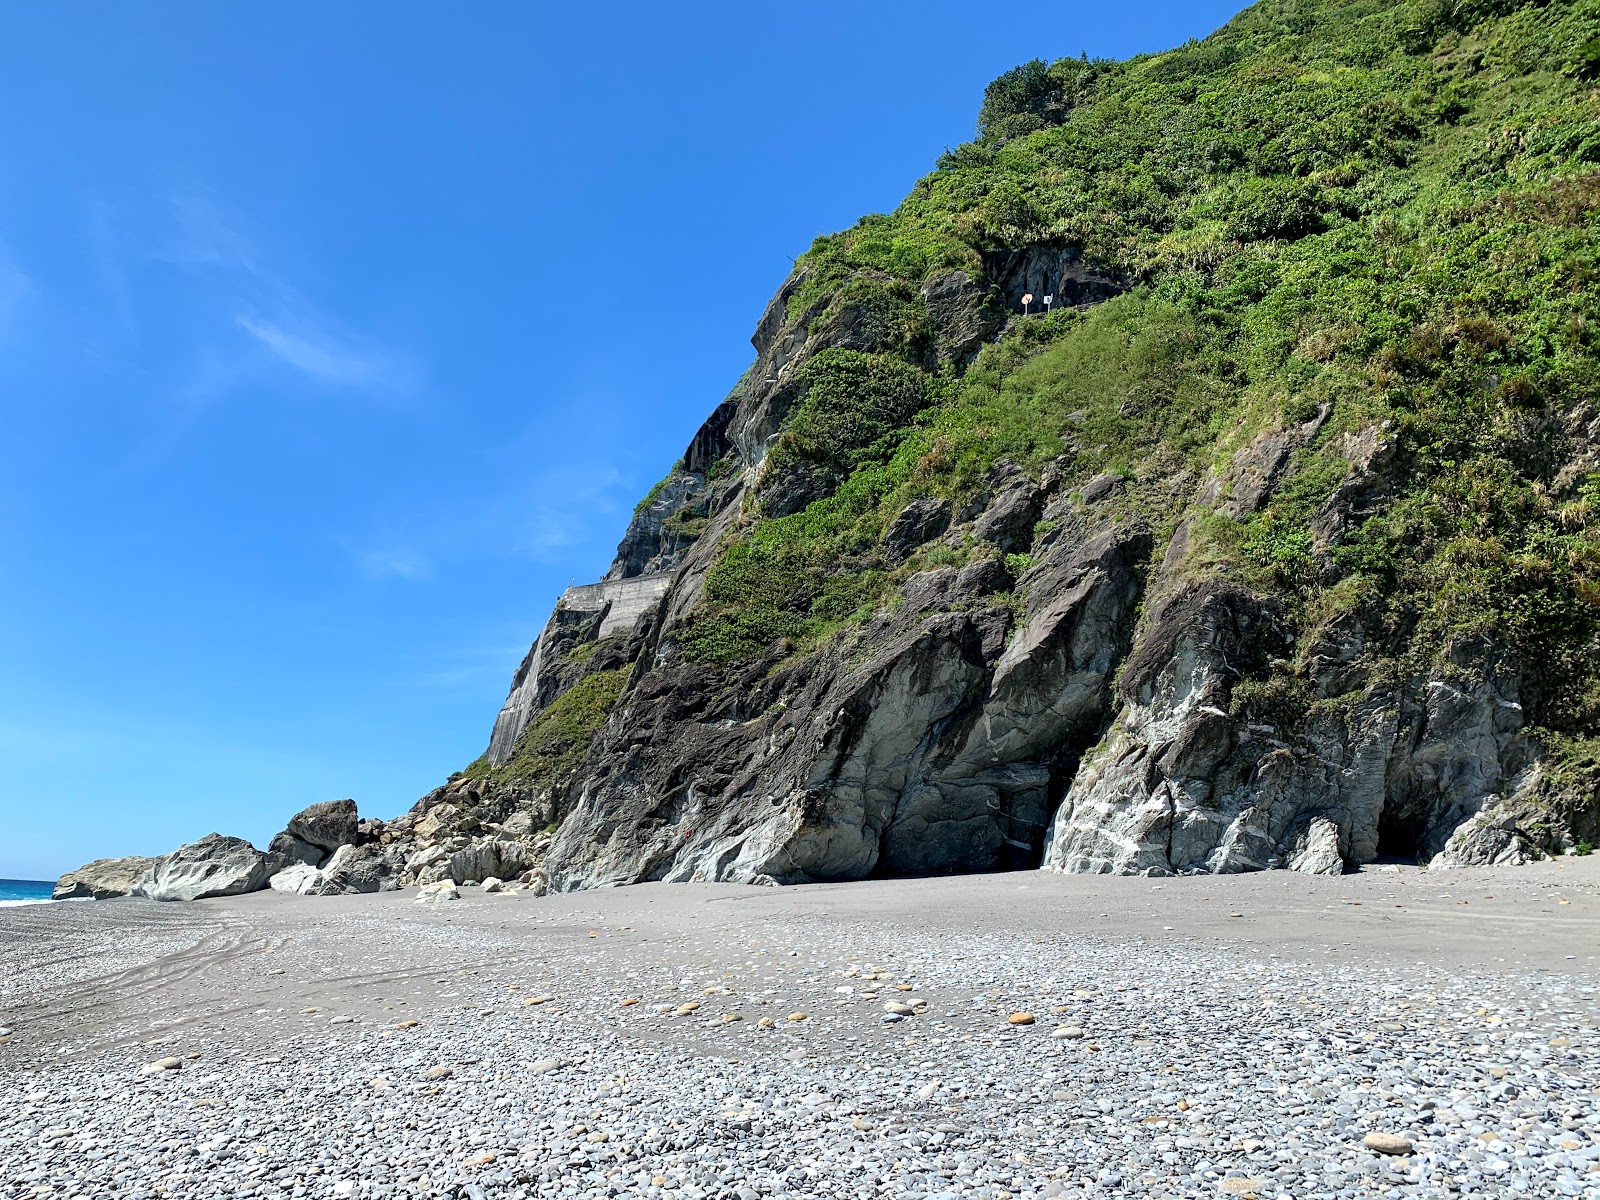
[[25, 891]]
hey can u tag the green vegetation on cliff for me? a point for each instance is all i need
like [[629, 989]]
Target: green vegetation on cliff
[[555, 742], [1354, 215]]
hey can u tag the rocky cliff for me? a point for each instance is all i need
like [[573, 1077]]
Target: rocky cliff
[[1196, 473], [1192, 571]]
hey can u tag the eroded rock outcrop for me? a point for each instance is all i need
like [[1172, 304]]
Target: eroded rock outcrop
[[936, 753], [1183, 783], [103, 879], [213, 866]]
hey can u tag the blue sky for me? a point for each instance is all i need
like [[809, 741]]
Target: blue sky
[[337, 339]]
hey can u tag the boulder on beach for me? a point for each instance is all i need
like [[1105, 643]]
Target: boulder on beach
[[365, 868], [315, 833], [297, 879], [102, 879], [213, 866]]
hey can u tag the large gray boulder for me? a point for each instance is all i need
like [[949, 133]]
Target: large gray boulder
[[314, 833], [102, 879], [354, 869], [213, 866]]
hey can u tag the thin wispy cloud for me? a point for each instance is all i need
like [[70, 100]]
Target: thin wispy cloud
[[14, 287], [206, 305], [400, 563], [330, 361]]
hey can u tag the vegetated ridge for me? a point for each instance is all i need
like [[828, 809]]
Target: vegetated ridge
[[1274, 542]]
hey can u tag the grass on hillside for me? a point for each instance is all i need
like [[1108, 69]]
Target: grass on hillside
[[1384, 211]]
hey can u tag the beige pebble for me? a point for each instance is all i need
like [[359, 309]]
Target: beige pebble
[[1020, 1018], [630, 1002], [1242, 1187], [482, 1160], [733, 1016], [1387, 1143], [538, 1000], [406, 1024], [438, 1073], [599, 1137], [899, 1007], [160, 1066], [378, 1084], [306, 1012], [797, 1016], [683, 1010], [766, 1023]]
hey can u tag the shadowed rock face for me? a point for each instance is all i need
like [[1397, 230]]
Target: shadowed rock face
[[935, 754], [315, 833], [1056, 271], [1181, 786]]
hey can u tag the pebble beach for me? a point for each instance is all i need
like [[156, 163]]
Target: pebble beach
[[1396, 1034]]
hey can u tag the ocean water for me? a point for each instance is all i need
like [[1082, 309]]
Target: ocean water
[[24, 891]]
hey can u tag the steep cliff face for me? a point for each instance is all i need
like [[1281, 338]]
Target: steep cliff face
[[1272, 543]]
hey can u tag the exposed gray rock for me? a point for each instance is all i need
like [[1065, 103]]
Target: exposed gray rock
[[651, 545], [1316, 850], [102, 879], [1009, 519], [296, 880], [795, 486], [314, 833], [610, 609], [919, 522], [353, 869], [964, 314], [1181, 785], [1101, 487], [1488, 838], [502, 858], [213, 866], [934, 754], [1060, 272]]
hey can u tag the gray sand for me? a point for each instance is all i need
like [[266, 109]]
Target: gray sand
[[1191, 1037]]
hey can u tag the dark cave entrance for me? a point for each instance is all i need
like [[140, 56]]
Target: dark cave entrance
[[1400, 836]]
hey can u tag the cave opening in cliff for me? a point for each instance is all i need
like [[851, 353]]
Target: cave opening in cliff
[[1400, 834]]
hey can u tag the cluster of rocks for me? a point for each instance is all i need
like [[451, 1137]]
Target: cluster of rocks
[[328, 850]]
